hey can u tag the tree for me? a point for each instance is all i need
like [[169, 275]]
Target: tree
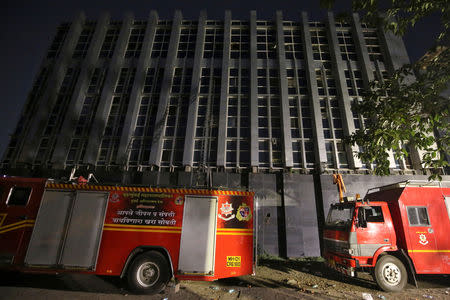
[[410, 108]]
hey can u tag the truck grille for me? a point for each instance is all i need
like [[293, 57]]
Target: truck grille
[[336, 246]]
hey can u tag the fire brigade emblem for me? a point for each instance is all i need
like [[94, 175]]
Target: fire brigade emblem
[[114, 198], [244, 213], [179, 200], [423, 239], [226, 212]]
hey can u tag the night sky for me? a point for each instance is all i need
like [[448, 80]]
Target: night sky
[[27, 29]]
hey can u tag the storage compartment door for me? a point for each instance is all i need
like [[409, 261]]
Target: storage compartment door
[[198, 236], [49, 229], [84, 230]]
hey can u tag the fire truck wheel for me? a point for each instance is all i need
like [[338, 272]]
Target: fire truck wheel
[[390, 274], [149, 273]]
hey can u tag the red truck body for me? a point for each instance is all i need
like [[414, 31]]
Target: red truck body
[[409, 221], [60, 227]]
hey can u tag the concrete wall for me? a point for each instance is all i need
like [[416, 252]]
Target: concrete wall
[[300, 214]]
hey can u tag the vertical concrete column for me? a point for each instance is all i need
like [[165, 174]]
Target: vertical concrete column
[[221, 145], [104, 105], [394, 48], [135, 97], [397, 56], [319, 140], [285, 116], [161, 115], [361, 50], [37, 125], [188, 154], [344, 99], [364, 60], [76, 102], [254, 153]]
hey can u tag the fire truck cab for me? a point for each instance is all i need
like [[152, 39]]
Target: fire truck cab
[[395, 231], [147, 235]]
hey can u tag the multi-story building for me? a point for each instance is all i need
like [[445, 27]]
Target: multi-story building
[[259, 104]]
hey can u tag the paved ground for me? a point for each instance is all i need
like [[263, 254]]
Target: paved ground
[[275, 279]]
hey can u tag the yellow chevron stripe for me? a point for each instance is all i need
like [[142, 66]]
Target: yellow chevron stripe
[[142, 226], [15, 228], [429, 251], [232, 233], [16, 224], [144, 189], [141, 230], [234, 229], [2, 218]]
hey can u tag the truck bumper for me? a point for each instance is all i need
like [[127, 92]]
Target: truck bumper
[[344, 265]]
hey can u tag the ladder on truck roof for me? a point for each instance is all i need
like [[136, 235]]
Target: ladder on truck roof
[[410, 183]]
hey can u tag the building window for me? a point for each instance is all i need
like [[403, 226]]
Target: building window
[[301, 132], [116, 117], [86, 117], [176, 118], [213, 46], [346, 45], [83, 42], [56, 117], [266, 43], [373, 45], [238, 119], [58, 41], [135, 41], [186, 45], [111, 37], [240, 45], [331, 119], [161, 42], [141, 143], [206, 130], [319, 41], [293, 43]]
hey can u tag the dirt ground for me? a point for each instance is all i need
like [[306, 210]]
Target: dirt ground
[[274, 279], [310, 279]]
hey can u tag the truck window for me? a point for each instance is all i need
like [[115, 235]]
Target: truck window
[[373, 213], [19, 196], [418, 216], [339, 216]]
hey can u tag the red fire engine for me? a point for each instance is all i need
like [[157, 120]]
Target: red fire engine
[[148, 235], [395, 231]]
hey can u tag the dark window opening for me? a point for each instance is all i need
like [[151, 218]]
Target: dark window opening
[[418, 216], [374, 214], [19, 196]]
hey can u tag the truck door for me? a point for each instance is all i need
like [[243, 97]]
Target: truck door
[[68, 230], [197, 245], [422, 246], [375, 233], [16, 219]]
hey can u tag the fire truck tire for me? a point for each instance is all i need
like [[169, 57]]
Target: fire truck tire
[[148, 273], [390, 274]]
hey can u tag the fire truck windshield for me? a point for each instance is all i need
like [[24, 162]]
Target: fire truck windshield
[[340, 217]]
